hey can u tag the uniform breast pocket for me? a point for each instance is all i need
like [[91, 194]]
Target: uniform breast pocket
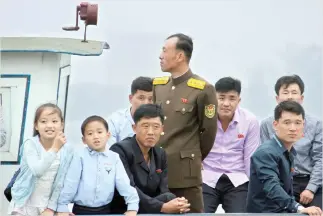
[[184, 109], [191, 163]]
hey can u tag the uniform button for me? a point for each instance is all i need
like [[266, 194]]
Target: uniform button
[[165, 117], [161, 147], [167, 102], [162, 133], [193, 155], [183, 109], [173, 87]]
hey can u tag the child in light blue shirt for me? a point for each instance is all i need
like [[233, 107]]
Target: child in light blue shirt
[[94, 173]]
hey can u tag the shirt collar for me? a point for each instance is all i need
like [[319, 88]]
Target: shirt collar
[[236, 116], [138, 153], [282, 147], [93, 152], [182, 78], [235, 119], [129, 116]]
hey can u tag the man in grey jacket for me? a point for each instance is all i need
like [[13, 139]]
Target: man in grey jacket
[[307, 179]]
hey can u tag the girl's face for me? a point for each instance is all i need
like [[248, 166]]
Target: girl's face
[[49, 124]]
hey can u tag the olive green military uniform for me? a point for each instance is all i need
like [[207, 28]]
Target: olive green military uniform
[[189, 105]]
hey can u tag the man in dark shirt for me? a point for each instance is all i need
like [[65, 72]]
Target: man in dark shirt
[[146, 165], [271, 169]]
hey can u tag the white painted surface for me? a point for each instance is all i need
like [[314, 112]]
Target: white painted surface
[[12, 105], [44, 71]]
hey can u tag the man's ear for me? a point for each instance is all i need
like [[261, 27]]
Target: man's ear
[[302, 99], [275, 124], [180, 56], [134, 128], [130, 98]]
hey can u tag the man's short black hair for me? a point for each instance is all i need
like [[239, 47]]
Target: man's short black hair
[[142, 83], [184, 43], [288, 106], [227, 84], [148, 111], [93, 119], [285, 81]]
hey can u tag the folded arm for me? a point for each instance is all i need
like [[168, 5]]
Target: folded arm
[[316, 153], [38, 165], [207, 105], [164, 174], [124, 187], [252, 142], [71, 183], [147, 203], [266, 167]]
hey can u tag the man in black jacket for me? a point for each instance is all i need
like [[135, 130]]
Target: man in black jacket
[[146, 165]]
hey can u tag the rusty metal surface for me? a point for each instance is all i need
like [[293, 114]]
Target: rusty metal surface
[[87, 13]]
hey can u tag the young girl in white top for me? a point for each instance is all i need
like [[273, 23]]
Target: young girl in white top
[[45, 160]]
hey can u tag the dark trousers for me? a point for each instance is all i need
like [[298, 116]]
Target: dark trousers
[[233, 199], [193, 195], [83, 210], [299, 185]]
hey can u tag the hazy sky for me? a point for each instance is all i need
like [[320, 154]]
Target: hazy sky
[[255, 41]]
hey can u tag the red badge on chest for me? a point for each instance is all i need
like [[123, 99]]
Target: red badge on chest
[[184, 100], [159, 171], [240, 136]]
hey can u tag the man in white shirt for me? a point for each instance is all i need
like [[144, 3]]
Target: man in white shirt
[[121, 121]]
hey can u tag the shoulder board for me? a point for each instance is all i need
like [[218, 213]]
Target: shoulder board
[[195, 83], [161, 80]]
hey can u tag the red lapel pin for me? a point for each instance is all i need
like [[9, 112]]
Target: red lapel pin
[[159, 171], [184, 100], [240, 136]]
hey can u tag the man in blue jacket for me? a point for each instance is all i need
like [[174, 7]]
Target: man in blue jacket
[[272, 165]]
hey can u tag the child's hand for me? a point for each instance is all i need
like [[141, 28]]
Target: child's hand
[[48, 212], [130, 213], [59, 141]]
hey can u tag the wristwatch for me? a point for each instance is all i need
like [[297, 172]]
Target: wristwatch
[[300, 208]]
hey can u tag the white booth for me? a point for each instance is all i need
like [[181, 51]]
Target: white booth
[[33, 71]]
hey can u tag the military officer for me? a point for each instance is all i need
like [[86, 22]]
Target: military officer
[[189, 104]]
